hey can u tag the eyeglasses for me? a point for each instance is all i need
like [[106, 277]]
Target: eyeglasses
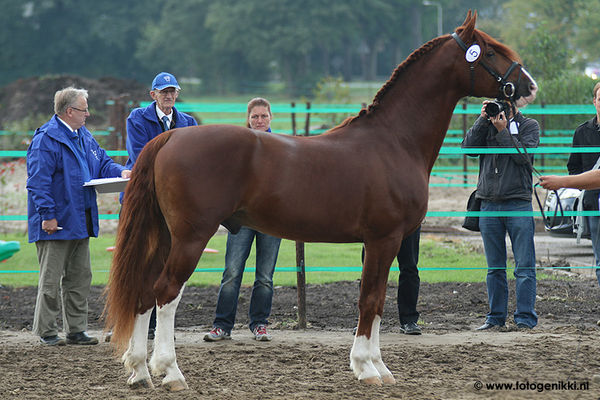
[[79, 109], [165, 92]]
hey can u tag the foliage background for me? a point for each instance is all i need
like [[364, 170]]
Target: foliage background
[[235, 46]]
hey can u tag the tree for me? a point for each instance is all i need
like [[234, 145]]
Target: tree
[[547, 56], [179, 42], [536, 23], [15, 26], [587, 32], [60, 36]]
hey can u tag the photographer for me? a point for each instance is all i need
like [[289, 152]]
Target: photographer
[[505, 184]]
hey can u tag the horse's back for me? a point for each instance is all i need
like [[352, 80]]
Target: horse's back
[[293, 187]]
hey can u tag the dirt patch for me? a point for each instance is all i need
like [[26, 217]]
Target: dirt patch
[[445, 362]]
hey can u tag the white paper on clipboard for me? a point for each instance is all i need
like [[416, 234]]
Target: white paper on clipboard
[[108, 185]]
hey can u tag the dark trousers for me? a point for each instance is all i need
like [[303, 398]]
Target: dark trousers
[[152, 325], [408, 280]]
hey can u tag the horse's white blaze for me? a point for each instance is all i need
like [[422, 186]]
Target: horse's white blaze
[[135, 356], [365, 356], [523, 101], [164, 360]]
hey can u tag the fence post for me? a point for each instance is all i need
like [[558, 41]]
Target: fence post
[[117, 121], [465, 167], [543, 133], [301, 281], [293, 119], [300, 264], [307, 124]]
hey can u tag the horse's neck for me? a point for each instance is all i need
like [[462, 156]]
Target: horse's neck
[[418, 109]]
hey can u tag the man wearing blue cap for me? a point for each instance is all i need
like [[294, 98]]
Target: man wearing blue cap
[[145, 123]]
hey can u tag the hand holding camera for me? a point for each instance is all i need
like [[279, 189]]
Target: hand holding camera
[[495, 107], [495, 111]]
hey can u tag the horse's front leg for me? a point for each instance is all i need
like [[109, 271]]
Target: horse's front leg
[[134, 358], [365, 357], [163, 360]]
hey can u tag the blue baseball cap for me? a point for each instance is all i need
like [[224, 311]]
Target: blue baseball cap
[[164, 80]]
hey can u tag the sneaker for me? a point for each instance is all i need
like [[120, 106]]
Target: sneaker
[[217, 334], [81, 338], [52, 340], [410, 329], [261, 334]]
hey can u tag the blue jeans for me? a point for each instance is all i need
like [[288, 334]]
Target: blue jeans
[[520, 231], [238, 250], [594, 225]]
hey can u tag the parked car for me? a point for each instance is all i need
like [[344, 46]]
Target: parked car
[[555, 222]]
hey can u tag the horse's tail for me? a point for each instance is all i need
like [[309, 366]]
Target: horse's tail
[[142, 247]]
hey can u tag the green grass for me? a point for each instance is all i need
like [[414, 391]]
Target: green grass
[[440, 261]]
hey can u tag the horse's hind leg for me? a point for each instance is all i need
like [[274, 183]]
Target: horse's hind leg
[[182, 260], [134, 358], [163, 359], [365, 357]]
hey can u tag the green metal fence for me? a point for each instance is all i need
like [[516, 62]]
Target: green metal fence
[[453, 166]]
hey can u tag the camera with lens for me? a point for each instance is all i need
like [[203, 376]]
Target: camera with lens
[[495, 107]]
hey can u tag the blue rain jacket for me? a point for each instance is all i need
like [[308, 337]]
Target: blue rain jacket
[[55, 181], [143, 126]]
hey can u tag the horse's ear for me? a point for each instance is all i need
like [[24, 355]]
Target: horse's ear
[[469, 24], [467, 19]]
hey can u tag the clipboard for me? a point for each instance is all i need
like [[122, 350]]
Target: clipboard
[[108, 185]]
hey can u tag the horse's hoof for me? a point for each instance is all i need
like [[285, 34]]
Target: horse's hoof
[[142, 384], [388, 379], [175, 386], [374, 380]]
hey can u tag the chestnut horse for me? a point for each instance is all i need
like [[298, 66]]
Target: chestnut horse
[[365, 180]]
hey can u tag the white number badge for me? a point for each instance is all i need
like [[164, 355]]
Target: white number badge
[[473, 53]]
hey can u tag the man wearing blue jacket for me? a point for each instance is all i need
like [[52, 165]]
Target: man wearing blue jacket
[[63, 214], [146, 123]]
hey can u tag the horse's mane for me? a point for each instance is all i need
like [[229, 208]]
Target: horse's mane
[[480, 37], [411, 59]]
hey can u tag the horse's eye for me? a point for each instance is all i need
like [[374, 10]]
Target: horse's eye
[[490, 53]]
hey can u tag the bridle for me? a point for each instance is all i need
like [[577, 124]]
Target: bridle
[[507, 89]]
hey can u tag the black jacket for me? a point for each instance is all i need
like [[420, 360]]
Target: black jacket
[[586, 135], [503, 176]]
